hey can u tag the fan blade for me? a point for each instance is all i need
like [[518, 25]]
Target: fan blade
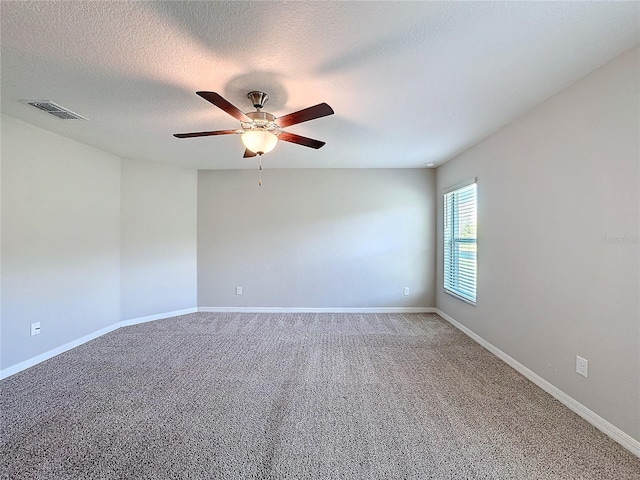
[[311, 113], [223, 104], [300, 140], [204, 134], [248, 154]]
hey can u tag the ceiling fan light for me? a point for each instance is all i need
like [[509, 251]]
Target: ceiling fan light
[[259, 141]]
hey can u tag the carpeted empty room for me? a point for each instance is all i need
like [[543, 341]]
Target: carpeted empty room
[[293, 395], [329, 240]]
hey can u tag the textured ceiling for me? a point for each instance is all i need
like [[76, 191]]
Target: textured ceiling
[[410, 82]]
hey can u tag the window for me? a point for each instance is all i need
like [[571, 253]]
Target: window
[[460, 241]]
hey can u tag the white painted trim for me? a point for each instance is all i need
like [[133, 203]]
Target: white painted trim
[[7, 372], [18, 367], [624, 439], [318, 309], [13, 369], [160, 316]]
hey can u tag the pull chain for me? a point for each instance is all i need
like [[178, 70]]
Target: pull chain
[[260, 169]]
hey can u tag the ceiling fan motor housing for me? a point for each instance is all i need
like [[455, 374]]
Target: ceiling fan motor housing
[[261, 121], [261, 117]]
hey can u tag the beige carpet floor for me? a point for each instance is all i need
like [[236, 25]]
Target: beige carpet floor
[[292, 396]]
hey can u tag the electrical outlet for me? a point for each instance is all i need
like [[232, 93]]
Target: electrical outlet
[[238, 290], [35, 328], [582, 366], [406, 291]]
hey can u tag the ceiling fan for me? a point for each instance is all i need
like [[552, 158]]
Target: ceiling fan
[[261, 130]]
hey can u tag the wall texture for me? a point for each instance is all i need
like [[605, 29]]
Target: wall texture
[[158, 239], [558, 249], [60, 240], [316, 238]]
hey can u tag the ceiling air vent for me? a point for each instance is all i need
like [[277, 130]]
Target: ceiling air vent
[[54, 109]]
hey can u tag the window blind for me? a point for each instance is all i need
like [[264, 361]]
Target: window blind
[[460, 242]]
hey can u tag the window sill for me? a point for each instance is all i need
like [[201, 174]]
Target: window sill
[[460, 297]]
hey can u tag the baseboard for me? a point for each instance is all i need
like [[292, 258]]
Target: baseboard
[[613, 432], [7, 372], [318, 309], [18, 367], [160, 316]]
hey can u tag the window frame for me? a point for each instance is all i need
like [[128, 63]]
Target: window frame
[[452, 242]]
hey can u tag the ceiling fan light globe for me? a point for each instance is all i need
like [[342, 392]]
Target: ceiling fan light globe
[[259, 141]]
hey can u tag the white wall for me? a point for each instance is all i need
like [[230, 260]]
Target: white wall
[[316, 238], [60, 240], [558, 249], [88, 240], [158, 248]]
